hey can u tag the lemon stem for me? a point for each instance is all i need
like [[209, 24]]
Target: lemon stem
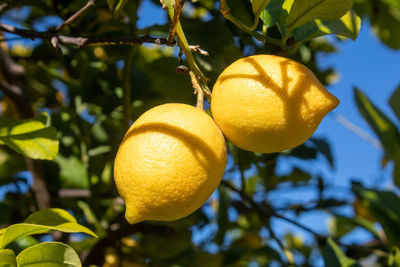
[[174, 6], [198, 90]]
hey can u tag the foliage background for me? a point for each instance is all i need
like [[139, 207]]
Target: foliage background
[[90, 94]]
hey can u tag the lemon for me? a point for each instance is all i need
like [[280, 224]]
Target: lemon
[[169, 163], [267, 103]]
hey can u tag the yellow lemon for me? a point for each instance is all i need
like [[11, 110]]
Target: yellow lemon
[[266, 103], [169, 163]]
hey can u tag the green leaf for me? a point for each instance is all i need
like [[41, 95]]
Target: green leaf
[[30, 137], [334, 256], [49, 254], [394, 102], [258, 6], [7, 258], [385, 207], [271, 14], [346, 26], [394, 257], [304, 11], [44, 221], [387, 132]]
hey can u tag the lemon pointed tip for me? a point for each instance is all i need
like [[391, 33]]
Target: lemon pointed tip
[[132, 215]]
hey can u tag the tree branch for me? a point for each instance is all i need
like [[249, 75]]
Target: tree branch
[[88, 41], [172, 30], [88, 5], [267, 212]]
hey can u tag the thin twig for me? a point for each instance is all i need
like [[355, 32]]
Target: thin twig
[[88, 5], [197, 49], [91, 41], [198, 90], [268, 212], [177, 11], [357, 130]]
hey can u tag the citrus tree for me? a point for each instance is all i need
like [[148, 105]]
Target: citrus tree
[[74, 75]]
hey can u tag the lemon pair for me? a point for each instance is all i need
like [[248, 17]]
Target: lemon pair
[[173, 157]]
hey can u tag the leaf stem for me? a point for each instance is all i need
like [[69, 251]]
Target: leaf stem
[[198, 90], [224, 8]]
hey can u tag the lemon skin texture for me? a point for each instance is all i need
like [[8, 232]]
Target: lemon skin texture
[[169, 163], [267, 103]]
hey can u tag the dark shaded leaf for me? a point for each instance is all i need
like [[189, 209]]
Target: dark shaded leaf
[[383, 127], [394, 102], [334, 256], [385, 207]]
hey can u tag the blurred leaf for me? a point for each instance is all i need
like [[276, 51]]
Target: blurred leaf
[[394, 102], [385, 207], [334, 257], [295, 177], [383, 127], [44, 221], [206, 259], [7, 258], [258, 6], [385, 24], [323, 147], [222, 215], [119, 7], [302, 12], [342, 225], [22, 243], [49, 254], [348, 26], [394, 257], [72, 172], [30, 137], [91, 217], [339, 226], [10, 166]]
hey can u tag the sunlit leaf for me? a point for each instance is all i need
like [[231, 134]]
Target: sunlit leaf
[[31, 137], [304, 11], [7, 258], [49, 254], [44, 221], [346, 26], [394, 257]]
